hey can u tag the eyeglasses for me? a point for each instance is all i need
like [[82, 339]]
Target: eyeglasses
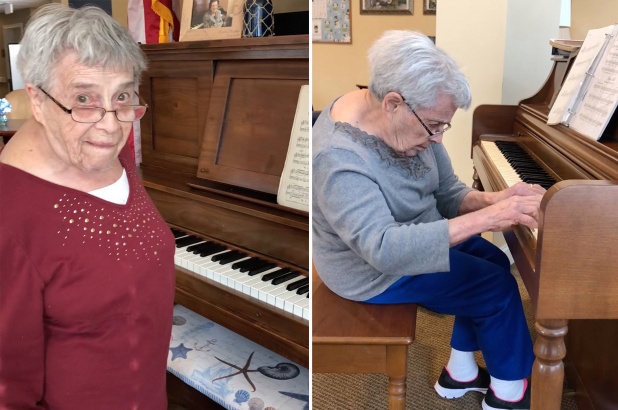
[[128, 113], [447, 125]]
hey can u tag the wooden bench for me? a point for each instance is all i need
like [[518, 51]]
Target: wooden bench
[[354, 337]]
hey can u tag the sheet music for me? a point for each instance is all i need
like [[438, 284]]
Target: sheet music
[[568, 93], [294, 185], [601, 97]]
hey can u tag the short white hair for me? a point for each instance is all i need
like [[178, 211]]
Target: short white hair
[[409, 63]]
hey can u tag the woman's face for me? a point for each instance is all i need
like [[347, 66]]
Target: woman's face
[[214, 6], [90, 147], [408, 136]]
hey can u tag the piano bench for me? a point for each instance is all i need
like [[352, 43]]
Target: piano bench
[[228, 370], [355, 337]]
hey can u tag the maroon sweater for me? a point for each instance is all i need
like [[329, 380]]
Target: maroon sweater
[[86, 297]]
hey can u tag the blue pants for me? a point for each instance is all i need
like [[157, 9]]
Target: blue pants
[[481, 293]]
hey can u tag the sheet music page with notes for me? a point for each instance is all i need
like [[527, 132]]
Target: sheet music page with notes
[[294, 185], [589, 95], [568, 92]]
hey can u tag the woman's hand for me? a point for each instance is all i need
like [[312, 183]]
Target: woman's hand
[[517, 205], [517, 209], [521, 189]]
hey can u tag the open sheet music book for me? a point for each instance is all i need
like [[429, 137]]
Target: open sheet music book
[[294, 185], [589, 94]]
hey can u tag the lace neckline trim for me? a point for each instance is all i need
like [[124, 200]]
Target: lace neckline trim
[[414, 166]]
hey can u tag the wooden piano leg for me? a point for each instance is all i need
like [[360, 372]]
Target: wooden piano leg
[[476, 181], [397, 370], [548, 368]]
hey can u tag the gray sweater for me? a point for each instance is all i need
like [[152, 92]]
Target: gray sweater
[[378, 216]]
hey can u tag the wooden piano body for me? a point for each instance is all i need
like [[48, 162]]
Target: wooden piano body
[[214, 142], [571, 271]]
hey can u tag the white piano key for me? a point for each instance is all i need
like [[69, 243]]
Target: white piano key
[[189, 262], [307, 309], [230, 272], [291, 302], [254, 286], [505, 169], [272, 293], [300, 305], [243, 278], [249, 287], [263, 289]]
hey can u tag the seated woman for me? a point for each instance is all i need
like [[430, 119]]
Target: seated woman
[[392, 223]]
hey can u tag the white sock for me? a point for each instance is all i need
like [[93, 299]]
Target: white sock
[[508, 390], [462, 366]]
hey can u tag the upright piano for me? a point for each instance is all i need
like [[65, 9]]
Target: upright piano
[[570, 264], [214, 143]]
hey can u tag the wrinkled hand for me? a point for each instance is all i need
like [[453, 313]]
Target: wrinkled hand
[[521, 189], [516, 209]]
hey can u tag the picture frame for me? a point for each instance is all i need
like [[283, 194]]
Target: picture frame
[[197, 23], [429, 6], [387, 7]]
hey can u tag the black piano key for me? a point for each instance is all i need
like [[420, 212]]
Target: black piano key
[[284, 278], [215, 248], [246, 263], [297, 284], [264, 268], [187, 240], [177, 233], [217, 258], [258, 263], [528, 170], [275, 274], [198, 247], [303, 289], [229, 257]]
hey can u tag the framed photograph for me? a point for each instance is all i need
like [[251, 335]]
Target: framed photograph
[[211, 19], [387, 6], [429, 6]]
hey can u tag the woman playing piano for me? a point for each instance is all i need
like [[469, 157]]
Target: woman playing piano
[[393, 224], [86, 266]]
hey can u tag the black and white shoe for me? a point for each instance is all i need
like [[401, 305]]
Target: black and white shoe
[[491, 402], [451, 389]]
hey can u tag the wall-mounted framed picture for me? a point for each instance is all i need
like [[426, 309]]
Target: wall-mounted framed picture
[[387, 7], [211, 19], [429, 6], [331, 21]]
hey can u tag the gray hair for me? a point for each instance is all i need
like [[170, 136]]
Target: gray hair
[[97, 39], [409, 63]]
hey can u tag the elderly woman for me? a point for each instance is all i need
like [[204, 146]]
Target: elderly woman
[[86, 273], [393, 224]]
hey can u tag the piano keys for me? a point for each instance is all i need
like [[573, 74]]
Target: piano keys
[[569, 266], [266, 281]]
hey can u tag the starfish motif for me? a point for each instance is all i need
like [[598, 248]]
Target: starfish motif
[[179, 351], [241, 370]]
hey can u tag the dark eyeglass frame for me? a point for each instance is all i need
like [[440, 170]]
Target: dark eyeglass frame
[[447, 125], [70, 110]]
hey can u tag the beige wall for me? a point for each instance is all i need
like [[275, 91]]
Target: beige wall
[[590, 14], [473, 33], [337, 68]]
